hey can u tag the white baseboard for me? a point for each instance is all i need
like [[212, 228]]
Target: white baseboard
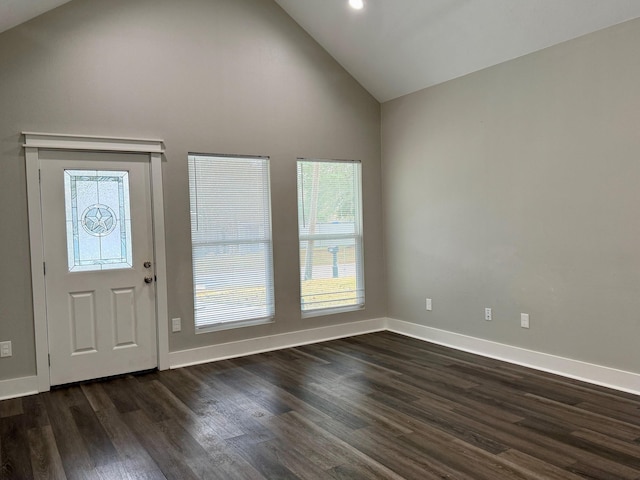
[[18, 387], [252, 346], [586, 372]]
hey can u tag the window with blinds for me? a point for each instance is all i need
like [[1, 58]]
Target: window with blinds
[[330, 233], [231, 240]]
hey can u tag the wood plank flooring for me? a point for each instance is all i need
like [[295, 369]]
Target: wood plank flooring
[[378, 406]]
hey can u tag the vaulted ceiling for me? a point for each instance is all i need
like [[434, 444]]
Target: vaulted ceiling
[[395, 47], [15, 12]]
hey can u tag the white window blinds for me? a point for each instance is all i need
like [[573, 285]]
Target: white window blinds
[[231, 240], [330, 234]]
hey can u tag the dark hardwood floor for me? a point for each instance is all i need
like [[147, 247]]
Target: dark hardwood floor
[[378, 406]]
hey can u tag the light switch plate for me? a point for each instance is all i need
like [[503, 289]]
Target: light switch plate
[[176, 324], [5, 349]]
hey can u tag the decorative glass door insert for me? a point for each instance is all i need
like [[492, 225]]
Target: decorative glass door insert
[[98, 217]]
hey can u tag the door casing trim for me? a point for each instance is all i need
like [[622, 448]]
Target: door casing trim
[[33, 142]]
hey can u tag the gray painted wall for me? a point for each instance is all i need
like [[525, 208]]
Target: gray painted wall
[[219, 76], [517, 188]]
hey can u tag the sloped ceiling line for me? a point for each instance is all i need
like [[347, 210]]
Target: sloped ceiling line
[[396, 47]]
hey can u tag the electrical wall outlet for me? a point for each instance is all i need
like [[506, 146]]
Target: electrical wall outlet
[[5, 349], [487, 314], [429, 306], [176, 324], [524, 320]]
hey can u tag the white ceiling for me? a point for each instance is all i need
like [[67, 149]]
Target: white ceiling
[[15, 12], [395, 47]]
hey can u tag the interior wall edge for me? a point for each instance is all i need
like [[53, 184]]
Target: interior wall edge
[[18, 387], [615, 379], [252, 346], [621, 380]]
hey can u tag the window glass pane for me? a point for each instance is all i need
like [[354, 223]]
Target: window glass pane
[[98, 220], [231, 239], [330, 232]]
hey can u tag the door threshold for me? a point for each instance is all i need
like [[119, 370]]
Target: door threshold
[[139, 373]]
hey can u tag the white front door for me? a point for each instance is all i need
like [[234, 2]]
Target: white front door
[[99, 276]]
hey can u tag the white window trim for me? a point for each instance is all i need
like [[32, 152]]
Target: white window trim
[[252, 322], [249, 322], [52, 141], [319, 312]]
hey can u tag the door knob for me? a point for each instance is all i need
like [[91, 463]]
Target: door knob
[[148, 279], [147, 264]]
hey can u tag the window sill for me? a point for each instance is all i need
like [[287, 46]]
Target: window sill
[[331, 311], [217, 327]]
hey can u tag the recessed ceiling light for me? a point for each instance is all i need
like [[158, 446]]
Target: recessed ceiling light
[[356, 4]]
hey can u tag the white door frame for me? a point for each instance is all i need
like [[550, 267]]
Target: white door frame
[[48, 141]]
